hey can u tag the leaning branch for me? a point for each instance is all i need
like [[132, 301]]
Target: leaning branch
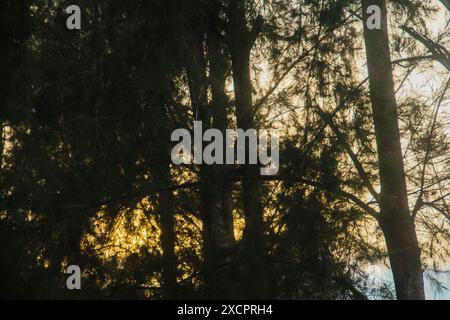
[[439, 52], [337, 191]]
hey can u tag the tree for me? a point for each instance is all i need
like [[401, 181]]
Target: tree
[[86, 176], [395, 218], [241, 41]]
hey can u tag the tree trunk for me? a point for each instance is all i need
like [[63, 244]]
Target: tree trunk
[[169, 259], [215, 190], [241, 42], [165, 208], [395, 219], [220, 231], [2, 143]]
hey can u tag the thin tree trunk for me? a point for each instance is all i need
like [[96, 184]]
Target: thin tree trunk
[[241, 42], [169, 259], [395, 219], [2, 143], [220, 231], [215, 191], [165, 208]]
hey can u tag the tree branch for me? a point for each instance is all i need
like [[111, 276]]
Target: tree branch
[[358, 165], [439, 52], [427, 153]]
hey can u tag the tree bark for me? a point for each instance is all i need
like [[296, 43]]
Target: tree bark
[[241, 41], [395, 219]]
